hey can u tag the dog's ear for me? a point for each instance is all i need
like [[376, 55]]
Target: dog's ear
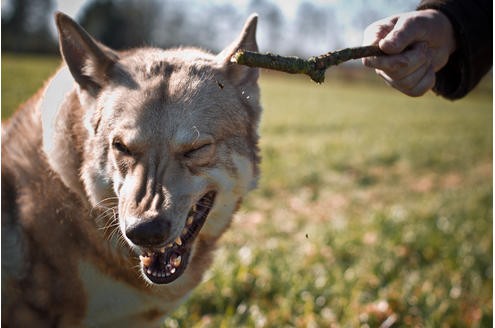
[[246, 40], [89, 62]]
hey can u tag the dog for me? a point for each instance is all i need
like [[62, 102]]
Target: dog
[[118, 178]]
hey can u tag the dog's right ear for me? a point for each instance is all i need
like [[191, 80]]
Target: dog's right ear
[[241, 75], [89, 62]]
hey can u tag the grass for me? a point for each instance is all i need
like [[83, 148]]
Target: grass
[[22, 76], [374, 209]]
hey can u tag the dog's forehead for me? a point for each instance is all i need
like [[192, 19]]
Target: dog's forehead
[[181, 95]]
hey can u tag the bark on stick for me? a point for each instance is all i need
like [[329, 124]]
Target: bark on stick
[[314, 67]]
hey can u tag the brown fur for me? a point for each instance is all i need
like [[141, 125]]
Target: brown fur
[[189, 119]]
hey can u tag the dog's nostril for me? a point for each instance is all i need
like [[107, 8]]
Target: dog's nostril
[[149, 233]]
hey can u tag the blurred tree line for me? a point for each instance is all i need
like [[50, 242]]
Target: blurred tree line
[[26, 28], [27, 25]]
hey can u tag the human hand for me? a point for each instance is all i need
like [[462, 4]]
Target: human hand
[[417, 45]]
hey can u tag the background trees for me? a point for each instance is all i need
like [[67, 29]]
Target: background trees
[[302, 28]]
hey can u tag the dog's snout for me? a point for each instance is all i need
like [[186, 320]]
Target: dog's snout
[[149, 233]]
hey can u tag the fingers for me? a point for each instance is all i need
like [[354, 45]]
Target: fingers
[[378, 30], [415, 84], [410, 72], [399, 66], [407, 31], [417, 44]]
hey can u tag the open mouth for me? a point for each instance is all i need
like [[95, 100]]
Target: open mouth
[[168, 263]]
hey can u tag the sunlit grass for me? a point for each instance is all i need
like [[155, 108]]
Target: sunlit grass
[[373, 209], [22, 76]]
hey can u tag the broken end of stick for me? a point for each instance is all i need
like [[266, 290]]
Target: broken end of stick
[[235, 57], [317, 76]]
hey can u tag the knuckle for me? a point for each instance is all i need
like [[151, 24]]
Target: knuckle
[[417, 92], [423, 86], [408, 84], [414, 21]]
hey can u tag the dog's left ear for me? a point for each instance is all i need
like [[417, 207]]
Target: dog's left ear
[[239, 74], [89, 62]]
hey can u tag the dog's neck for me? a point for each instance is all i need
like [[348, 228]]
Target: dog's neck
[[63, 130]]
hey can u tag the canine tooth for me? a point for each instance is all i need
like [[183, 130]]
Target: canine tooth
[[178, 241], [172, 271], [146, 260], [176, 260], [148, 271]]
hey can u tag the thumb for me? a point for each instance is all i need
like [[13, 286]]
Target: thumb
[[404, 33]]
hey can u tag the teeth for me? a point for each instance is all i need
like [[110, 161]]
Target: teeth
[[169, 245], [146, 260], [162, 250], [175, 260], [184, 231], [178, 241], [190, 220]]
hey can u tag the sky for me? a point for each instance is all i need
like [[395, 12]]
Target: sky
[[289, 7], [348, 15], [347, 12]]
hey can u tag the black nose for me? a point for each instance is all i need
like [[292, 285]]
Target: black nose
[[149, 233]]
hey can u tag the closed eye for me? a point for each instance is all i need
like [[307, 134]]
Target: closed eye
[[199, 151], [119, 146]]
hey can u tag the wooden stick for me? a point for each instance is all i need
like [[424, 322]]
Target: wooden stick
[[314, 67]]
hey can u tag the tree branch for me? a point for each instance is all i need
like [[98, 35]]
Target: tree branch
[[314, 67]]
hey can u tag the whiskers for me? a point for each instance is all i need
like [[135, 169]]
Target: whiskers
[[107, 203], [107, 218]]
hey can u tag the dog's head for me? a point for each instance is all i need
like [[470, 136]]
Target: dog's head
[[172, 134]]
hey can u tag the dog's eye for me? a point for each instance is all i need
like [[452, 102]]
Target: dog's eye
[[203, 151], [120, 147]]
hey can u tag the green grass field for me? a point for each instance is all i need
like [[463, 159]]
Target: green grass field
[[373, 210]]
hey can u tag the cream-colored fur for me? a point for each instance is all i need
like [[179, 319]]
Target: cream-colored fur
[[105, 168]]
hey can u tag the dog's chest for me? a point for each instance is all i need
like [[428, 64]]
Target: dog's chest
[[113, 303]]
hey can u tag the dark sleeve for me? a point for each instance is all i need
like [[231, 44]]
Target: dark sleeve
[[473, 24]]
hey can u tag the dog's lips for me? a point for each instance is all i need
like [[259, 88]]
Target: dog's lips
[[166, 264]]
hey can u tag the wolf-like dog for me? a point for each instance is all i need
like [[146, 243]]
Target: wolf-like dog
[[118, 178]]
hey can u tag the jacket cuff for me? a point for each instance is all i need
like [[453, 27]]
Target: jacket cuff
[[451, 80]]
